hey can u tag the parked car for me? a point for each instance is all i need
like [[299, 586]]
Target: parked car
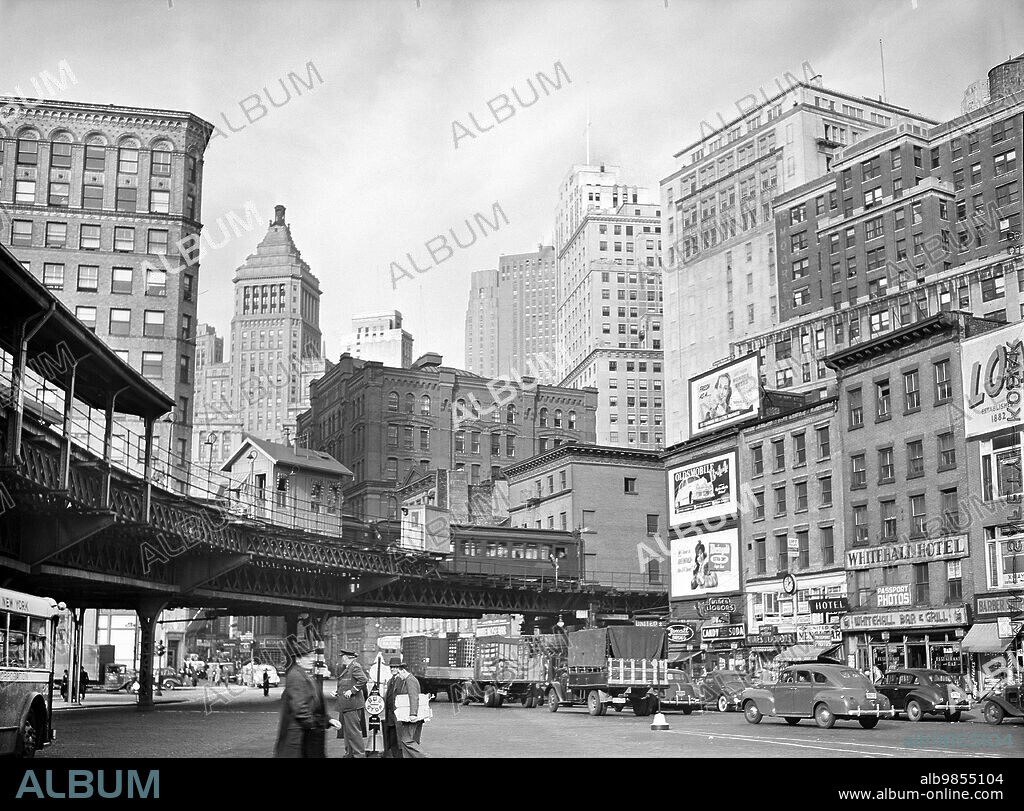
[[824, 692], [270, 670], [681, 693], [919, 692], [1008, 702], [170, 678], [722, 688]]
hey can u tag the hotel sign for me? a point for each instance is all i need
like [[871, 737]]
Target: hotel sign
[[923, 551], [925, 618]]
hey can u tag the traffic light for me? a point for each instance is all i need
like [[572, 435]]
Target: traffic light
[[160, 649]]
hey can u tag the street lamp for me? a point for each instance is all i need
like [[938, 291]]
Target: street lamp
[[210, 441]]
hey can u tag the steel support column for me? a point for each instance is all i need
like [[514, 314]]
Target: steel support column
[[65, 440], [147, 611]]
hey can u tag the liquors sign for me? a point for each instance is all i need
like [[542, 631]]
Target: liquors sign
[[993, 380]]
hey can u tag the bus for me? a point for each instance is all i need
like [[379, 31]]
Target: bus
[[27, 638]]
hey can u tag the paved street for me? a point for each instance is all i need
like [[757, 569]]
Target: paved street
[[244, 724]]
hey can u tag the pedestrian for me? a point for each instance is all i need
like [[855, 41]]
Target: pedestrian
[[304, 719], [64, 686], [351, 695], [266, 682], [876, 673], [83, 683], [402, 737]]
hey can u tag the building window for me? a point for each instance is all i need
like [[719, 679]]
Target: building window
[[59, 194], [825, 483], [157, 241], [629, 485], [882, 400], [799, 449], [160, 201], [153, 326], [887, 510], [950, 506], [779, 454], [947, 451], [121, 280], [943, 382], [757, 460], [161, 163], [954, 581], [860, 524], [824, 442], [127, 198], [856, 408], [87, 315], [153, 365], [21, 232], [858, 472], [425, 405], [759, 505], [120, 321], [88, 278], [92, 196], [915, 459], [918, 518], [760, 547], [800, 489], [128, 161], [156, 282], [886, 467], [911, 391], [804, 549], [25, 191], [28, 152], [920, 583], [780, 500], [53, 275], [828, 550]]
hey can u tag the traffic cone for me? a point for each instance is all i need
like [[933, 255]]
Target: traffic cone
[[659, 722]]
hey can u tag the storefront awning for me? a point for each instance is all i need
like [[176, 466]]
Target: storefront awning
[[682, 657], [812, 653], [984, 638]]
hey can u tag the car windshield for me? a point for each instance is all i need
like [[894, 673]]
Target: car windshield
[[734, 680], [941, 678]]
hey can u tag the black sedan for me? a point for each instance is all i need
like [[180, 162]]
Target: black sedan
[[919, 692], [721, 689]]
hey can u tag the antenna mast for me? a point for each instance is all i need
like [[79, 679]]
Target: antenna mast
[[881, 55]]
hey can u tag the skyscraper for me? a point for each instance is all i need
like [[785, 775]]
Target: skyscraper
[[510, 321], [609, 308], [99, 201], [720, 277], [379, 337]]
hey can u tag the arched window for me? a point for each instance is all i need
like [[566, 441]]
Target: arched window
[[460, 409], [393, 402], [410, 403], [510, 414], [543, 418], [558, 418], [572, 420], [425, 405], [496, 413]]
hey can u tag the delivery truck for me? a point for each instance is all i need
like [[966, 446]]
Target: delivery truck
[[516, 668], [611, 667], [442, 664]]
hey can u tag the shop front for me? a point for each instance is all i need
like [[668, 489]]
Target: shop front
[[916, 638], [706, 635], [993, 645]]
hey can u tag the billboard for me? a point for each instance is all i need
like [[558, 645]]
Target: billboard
[[725, 395], [703, 489], [993, 380], [704, 564]]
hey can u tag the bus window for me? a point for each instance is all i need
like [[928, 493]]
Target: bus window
[[517, 551], [502, 550], [531, 551], [545, 551], [492, 549], [16, 641], [37, 643]]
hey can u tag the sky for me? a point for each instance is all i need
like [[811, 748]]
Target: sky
[[367, 160]]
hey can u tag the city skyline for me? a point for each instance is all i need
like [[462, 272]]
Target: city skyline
[[386, 95]]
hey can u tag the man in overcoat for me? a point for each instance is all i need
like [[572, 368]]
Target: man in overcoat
[[402, 737], [304, 719], [351, 703]]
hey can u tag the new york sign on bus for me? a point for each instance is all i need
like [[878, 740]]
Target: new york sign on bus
[[993, 374]]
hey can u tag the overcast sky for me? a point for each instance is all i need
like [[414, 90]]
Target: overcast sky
[[365, 162]]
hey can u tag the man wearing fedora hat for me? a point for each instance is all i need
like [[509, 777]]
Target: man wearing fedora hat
[[402, 739], [351, 703]]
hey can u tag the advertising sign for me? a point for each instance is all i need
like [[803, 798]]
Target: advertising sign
[[993, 380], [703, 489], [923, 551], [818, 634], [725, 395], [680, 632], [926, 618], [828, 605], [716, 605], [889, 596], [999, 604], [779, 640], [705, 564], [711, 633]]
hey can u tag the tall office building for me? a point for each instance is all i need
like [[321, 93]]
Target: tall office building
[[510, 321], [97, 201], [908, 223], [275, 352], [609, 309], [720, 277], [379, 337]]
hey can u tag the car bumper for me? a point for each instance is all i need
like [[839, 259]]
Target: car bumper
[[962, 706], [873, 713]]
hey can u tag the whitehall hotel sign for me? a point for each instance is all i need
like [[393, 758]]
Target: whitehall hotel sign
[[923, 551]]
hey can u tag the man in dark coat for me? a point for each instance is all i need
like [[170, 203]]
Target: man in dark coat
[[391, 747], [406, 740], [304, 719], [351, 702]]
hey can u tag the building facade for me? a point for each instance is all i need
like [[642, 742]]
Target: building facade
[[719, 229], [104, 204], [391, 425], [511, 318], [610, 495], [379, 337], [908, 541], [609, 302]]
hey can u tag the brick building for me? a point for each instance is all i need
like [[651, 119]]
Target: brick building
[[611, 495], [909, 222], [390, 425], [103, 203], [792, 489], [903, 449]]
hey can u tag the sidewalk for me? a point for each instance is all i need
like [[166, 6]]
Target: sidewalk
[[100, 699]]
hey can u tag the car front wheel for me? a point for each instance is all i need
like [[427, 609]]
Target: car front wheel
[[994, 713], [552, 701], [752, 713], [823, 717], [29, 738], [914, 710], [723, 704]]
